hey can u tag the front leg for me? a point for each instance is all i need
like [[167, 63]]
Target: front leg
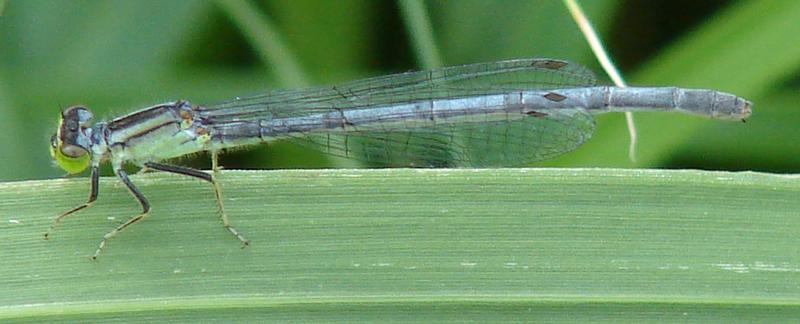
[[95, 177]]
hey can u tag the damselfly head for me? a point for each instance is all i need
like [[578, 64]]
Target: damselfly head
[[70, 145]]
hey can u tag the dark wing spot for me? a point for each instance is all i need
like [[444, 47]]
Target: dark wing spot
[[550, 64], [536, 114], [552, 96]]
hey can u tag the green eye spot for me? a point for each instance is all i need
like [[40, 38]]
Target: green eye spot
[[75, 162], [68, 163]]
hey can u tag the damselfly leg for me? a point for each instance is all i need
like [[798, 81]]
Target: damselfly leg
[[212, 178], [123, 176], [95, 177]]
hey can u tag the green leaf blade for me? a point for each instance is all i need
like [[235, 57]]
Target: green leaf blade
[[445, 242]]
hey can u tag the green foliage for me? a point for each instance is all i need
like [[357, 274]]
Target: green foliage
[[557, 244], [399, 243], [115, 56]]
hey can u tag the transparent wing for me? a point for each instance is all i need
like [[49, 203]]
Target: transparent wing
[[468, 143], [475, 140], [449, 82]]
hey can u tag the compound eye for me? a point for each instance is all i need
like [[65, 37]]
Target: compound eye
[[71, 125], [73, 151], [80, 115]]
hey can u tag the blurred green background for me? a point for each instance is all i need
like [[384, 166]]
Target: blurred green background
[[116, 56]]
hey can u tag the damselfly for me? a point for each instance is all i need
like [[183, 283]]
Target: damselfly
[[502, 113]]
